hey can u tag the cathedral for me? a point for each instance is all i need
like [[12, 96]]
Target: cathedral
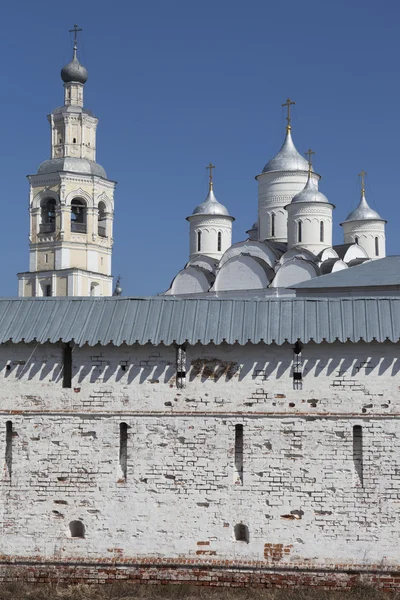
[[240, 429]]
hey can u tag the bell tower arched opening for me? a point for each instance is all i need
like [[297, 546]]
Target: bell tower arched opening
[[78, 215], [47, 215]]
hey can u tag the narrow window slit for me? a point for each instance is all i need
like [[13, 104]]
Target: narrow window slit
[[239, 454], [123, 448], [9, 436], [180, 367], [67, 366], [297, 366], [358, 454], [241, 533], [219, 245]]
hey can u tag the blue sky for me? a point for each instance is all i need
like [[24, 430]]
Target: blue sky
[[177, 84]]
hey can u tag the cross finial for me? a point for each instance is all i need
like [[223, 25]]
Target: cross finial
[[288, 103], [309, 155], [75, 31], [211, 167], [362, 175]]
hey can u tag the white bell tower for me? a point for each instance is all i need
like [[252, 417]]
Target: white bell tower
[[71, 204]]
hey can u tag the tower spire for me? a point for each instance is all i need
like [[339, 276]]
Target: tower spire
[[210, 185], [288, 103]]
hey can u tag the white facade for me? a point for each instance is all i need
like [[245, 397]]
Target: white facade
[[370, 235]]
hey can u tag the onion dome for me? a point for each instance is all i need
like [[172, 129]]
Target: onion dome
[[288, 158], [74, 71], [363, 212], [310, 193], [211, 206]]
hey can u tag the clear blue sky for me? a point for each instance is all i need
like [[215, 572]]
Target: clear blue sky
[[177, 84]]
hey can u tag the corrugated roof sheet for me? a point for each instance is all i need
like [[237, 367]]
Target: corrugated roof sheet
[[162, 320]]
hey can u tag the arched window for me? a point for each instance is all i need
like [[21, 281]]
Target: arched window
[[77, 529], [78, 216], [241, 533], [321, 231], [47, 215], [219, 241], [94, 289], [198, 241], [273, 225], [376, 246], [356, 240], [299, 231], [101, 220]]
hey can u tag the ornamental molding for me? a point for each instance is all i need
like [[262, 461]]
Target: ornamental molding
[[324, 211], [374, 226]]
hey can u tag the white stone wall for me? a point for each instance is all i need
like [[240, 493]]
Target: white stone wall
[[365, 233], [301, 497], [209, 226]]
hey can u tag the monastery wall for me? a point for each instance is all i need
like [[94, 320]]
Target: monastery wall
[[307, 478]]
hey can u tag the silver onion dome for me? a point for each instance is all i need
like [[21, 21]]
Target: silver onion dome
[[211, 206], [74, 71], [363, 212], [288, 158], [73, 165], [310, 193]]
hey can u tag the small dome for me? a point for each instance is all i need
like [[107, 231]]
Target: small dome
[[287, 159], [363, 212], [211, 206], [74, 71], [310, 193], [73, 165]]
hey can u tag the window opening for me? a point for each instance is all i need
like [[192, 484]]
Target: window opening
[[101, 220], [241, 533], [123, 448], [239, 454], [273, 225], [376, 246], [299, 231], [321, 231], [47, 289], [77, 529], [356, 240], [198, 241], [297, 366], [48, 216], [67, 366], [358, 454], [9, 436], [74, 141], [219, 241], [180, 367], [78, 216]]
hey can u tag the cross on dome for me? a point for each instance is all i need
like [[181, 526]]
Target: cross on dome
[[309, 155], [211, 167], [288, 103], [362, 175]]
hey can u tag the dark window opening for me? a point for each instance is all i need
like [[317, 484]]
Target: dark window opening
[[299, 231], [321, 231], [47, 289], [297, 366], [78, 216], [9, 436], [198, 241], [356, 240], [67, 367], [123, 448], [219, 241], [273, 225], [241, 533], [77, 529], [48, 216], [101, 224], [74, 141], [358, 454], [376, 246], [239, 454]]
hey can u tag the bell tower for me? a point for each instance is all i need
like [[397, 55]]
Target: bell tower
[[71, 203]]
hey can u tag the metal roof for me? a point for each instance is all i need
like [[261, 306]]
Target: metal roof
[[382, 272], [162, 320]]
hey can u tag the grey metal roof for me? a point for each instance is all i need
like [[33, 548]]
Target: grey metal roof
[[162, 320], [287, 159], [310, 193], [363, 212], [211, 206], [73, 165], [383, 272]]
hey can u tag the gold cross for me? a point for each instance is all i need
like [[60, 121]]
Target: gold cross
[[362, 175], [309, 154], [75, 31], [211, 167], [288, 103]]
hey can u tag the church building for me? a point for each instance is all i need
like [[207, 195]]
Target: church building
[[243, 428]]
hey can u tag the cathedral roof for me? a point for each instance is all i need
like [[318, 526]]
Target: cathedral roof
[[310, 193], [288, 158], [211, 206], [74, 165], [74, 71], [363, 212]]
